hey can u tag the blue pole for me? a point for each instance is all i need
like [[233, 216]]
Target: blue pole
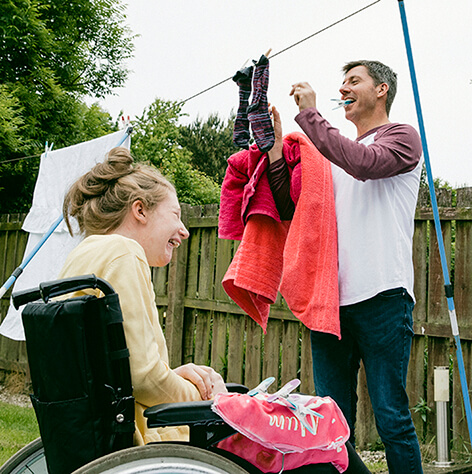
[[19, 270], [437, 223]]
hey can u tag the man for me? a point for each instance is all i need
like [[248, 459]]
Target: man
[[376, 181]]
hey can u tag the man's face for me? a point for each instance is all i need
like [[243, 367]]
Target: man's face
[[359, 87]]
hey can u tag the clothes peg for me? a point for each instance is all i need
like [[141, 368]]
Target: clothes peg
[[284, 391], [47, 148], [303, 408], [342, 103], [262, 387]]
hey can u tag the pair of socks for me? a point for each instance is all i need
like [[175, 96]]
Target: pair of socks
[[256, 114]]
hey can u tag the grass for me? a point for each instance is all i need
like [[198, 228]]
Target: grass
[[18, 426], [377, 467]]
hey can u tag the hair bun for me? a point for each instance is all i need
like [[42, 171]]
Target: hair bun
[[120, 160]]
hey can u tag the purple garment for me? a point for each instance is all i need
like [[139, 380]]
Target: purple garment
[[396, 148], [241, 135], [258, 111], [279, 181]]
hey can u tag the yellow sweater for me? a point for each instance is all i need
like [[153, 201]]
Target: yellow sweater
[[122, 262]]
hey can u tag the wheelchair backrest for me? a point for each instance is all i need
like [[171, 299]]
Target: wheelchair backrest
[[80, 372]]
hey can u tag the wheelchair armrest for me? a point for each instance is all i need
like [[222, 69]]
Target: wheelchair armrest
[[206, 427], [182, 413], [51, 289], [187, 413]]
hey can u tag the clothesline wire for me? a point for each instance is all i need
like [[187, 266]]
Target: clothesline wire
[[229, 78], [283, 50], [22, 158]]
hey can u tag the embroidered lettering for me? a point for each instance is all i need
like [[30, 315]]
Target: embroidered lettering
[[279, 422]]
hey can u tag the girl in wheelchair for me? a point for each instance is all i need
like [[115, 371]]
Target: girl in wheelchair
[[130, 217]]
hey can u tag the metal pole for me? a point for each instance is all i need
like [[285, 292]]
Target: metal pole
[[447, 284]]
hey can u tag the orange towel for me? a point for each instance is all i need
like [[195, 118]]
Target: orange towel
[[310, 272], [299, 257]]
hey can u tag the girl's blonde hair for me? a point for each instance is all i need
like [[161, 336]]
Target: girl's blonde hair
[[101, 198]]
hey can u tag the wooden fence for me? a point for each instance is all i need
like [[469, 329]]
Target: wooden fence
[[204, 326]]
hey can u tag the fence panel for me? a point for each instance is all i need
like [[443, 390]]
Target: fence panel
[[463, 304], [12, 247]]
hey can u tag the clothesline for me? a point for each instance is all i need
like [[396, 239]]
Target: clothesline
[[282, 51], [22, 158], [178, 104]]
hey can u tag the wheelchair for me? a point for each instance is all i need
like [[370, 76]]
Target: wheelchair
[[77, 346]]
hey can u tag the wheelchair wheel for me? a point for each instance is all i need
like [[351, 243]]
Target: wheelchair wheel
[[162, 459], [28, 460]]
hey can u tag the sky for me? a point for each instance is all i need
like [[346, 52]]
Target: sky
[[186, 46]]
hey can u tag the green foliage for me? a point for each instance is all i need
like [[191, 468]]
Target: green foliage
[[18, 427], [155, 133], [52, 54], [17, 182], [422, 408], [193, 186], [80, 45], [376, 446], [155, 140], [11, 123], [211, 144], [17, 178], [377, 467], [438, 182]]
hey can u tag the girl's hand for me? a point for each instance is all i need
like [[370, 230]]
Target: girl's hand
[[275, 152], [208, 382]]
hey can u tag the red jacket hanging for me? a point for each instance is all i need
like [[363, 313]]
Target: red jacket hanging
[[297, 257]]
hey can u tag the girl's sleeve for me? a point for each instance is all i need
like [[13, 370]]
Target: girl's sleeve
[[279, 181], [153, 380]]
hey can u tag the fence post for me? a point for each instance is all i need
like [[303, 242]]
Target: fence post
[[176, 291]]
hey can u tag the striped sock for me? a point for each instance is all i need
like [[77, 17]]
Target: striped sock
[[258, 111], [241, 133]]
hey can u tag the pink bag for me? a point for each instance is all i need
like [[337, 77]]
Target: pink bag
[[287, 433]]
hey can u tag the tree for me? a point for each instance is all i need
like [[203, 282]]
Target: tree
[[80, 45], [155, 140], [11, 123], [211, 144], [52, 54]]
